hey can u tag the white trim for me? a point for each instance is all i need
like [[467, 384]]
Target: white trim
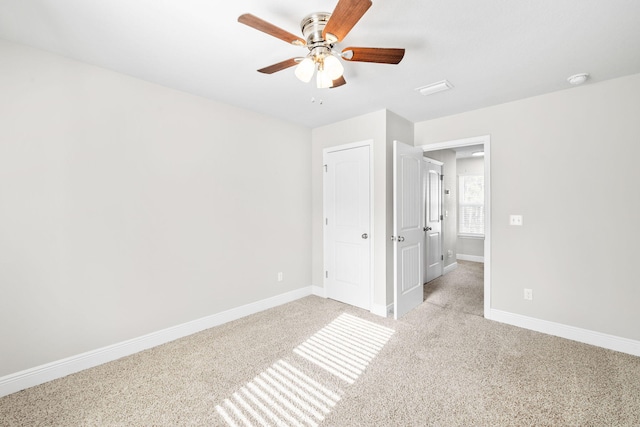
[[349, 146], [40, 374], [319, 291], [474, 258], [470, 236], [449, 268], [486, 140], [380, 309], [598, 339], [325, 152], [464, 142], [433, 161]]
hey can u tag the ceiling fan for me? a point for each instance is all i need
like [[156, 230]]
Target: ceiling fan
[[321, 31]]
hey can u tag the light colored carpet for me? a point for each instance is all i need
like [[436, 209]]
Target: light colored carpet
[[460, 290], [316, 361]]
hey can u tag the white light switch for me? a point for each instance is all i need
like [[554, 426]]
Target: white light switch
[[515, 219]]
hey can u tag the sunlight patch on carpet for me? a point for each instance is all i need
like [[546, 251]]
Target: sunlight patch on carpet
[[345, 346], [284, 395]]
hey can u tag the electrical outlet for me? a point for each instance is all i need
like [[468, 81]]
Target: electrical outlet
[[280, 276], [528, 294], [515, 219]]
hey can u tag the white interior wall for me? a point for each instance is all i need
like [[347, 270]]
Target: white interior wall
[[566, 161], [470, 248], [126, 207]]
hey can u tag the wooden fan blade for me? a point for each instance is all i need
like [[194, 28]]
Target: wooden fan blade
[[279, 66], [374, 54], [346, 14], [339, 82], [268, 28]]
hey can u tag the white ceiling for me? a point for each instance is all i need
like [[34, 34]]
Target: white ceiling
[[492, 51]]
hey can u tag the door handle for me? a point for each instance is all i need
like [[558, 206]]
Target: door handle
[[365, 236], [400, 239], [427, 229]]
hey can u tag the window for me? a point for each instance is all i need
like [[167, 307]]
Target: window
[[471, 205]]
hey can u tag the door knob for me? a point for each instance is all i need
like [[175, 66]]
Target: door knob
[[427, 229], [400, 239], [365, 235]]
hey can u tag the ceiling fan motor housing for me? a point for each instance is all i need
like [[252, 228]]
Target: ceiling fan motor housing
[[312, 26]]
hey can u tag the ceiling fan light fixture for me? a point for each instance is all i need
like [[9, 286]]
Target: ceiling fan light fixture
[[333, 67], [323, 80], [305, 69]]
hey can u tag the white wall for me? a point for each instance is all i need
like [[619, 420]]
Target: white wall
[[126, 207], [470, 248], [567, 161], [470, 166]]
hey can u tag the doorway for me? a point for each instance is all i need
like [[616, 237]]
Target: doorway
[[463, 144], [409, 234]]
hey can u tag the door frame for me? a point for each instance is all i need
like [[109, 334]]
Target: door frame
[[325, 152], [475, 140]]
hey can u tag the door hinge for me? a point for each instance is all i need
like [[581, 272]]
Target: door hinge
[[441, 177], [441, 257], [441, 217], [326, 274], [326, 168], [326, 221]]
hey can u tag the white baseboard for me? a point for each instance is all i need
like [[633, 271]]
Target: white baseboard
[[449, 268], [60, 368], [474, 258], [319, 291], [611, 342], [376, 309]]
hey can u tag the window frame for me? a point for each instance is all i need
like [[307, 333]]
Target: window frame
[[460, 204]]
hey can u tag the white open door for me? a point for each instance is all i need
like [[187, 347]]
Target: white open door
[[433, 220], [408, 233]]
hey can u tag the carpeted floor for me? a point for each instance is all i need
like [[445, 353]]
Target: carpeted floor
[[320, 362], [460, 290]]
